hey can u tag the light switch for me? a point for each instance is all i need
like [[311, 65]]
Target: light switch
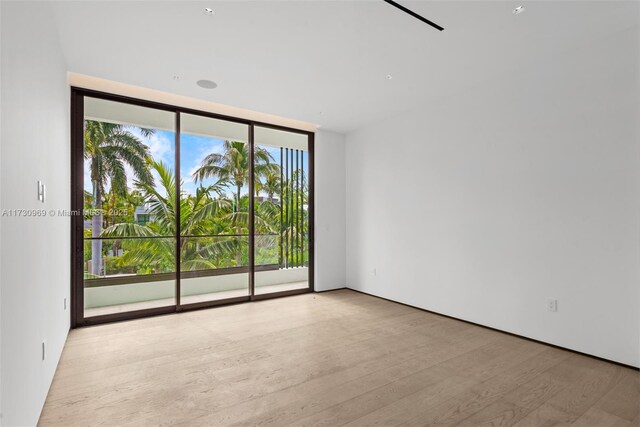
[[41, 191]]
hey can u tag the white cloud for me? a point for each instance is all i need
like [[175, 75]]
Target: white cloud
[[160, 147], [203, 151]]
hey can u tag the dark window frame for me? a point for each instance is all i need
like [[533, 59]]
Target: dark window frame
[[77, 203]]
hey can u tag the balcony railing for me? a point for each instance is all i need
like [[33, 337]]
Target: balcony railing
[[270, 256]]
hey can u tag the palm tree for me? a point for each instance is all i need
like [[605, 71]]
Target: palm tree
[[232, 166], [271, 184], [198, 215], [109, 147], [295, 219]]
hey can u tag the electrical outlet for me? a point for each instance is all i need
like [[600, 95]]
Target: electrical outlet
[[43, 350], [65, 303], [552, 305]]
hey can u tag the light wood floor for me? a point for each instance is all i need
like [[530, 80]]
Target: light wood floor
[[336, 358]]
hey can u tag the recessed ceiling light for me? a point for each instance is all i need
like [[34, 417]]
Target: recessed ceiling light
[[207, 84], [388, 77], [208, 11], [518, 10]]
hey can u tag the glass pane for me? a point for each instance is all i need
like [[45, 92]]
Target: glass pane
[[129, 183], [209, 269], [281, 211], [214, 164], [137, 274]]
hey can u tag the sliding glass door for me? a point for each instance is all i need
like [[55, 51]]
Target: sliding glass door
[[129, 242], [214, 227], [281, 207], [176, 209]]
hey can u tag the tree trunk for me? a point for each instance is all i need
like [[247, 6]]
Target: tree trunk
[[96, 230], [239, 228]]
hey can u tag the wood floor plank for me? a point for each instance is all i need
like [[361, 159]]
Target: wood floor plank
[[515, 405], [327, 359], [248, 382], [470, 369], [596, 418], [378, 388], [589, 380], [348, 380], [622, 401], [483, 360], [475, 398]]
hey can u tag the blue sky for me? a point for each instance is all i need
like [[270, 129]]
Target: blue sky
[[193, 149]]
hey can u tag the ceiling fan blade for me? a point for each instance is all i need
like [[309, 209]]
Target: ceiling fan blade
[[415, 15]]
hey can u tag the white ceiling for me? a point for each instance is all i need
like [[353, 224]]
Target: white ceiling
[[324, 62]]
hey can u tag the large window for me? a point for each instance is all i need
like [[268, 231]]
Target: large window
[[184, 209]]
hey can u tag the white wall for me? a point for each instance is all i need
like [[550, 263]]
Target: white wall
[[34, 268], [486, 203], [330, 221]]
